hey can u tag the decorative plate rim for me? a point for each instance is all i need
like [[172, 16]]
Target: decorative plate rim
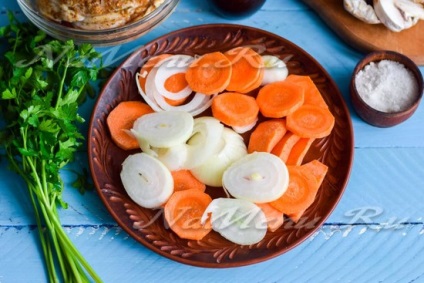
[[108, 196]]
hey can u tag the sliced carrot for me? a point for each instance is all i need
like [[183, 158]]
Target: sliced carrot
[[311, 121], [183, 212], [235, 109], [247, 69], [274, 217], [210, 73], [184, 180], [299, 151], [312, 93], [175, 83], [266, 135], [279, 99], [300, 193], [147, 67], [283, 148], [295, 217], [121, 119], [318, 170]]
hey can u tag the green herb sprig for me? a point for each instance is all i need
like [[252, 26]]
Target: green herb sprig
[[42, 83]]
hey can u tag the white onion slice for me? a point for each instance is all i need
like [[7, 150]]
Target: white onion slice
[[231, 149], [244, 129], [174, 158], [168, 67], [239, 221], [204, 142], [164, 129], [199, 103], [258, 177], [146, 180], [148, 99], [275, 69]]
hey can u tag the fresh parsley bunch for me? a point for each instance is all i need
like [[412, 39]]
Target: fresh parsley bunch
[[42, 83]]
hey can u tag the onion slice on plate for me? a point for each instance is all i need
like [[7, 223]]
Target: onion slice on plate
[[204, 142], [146, 180], [164, 129], [258, 177], [231, 149], [275, 69], [168, 67], [239, 221], [196, 105]]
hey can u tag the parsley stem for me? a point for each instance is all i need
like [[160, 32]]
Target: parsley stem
[[40, 111]]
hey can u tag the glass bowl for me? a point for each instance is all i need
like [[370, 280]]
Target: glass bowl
[[104, 37]]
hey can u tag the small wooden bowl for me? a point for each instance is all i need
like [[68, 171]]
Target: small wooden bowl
[[373, 116]]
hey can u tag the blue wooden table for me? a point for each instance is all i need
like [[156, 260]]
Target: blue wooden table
[[375, 234]]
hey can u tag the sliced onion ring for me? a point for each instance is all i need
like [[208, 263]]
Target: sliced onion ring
[[166, 69]]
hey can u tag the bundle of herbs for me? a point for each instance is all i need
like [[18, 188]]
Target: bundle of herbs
[[42, 83]]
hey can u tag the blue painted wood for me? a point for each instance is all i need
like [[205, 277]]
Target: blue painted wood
[[374, 235], [334, 254]]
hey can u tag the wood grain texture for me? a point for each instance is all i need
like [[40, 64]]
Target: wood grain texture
[[366, 37]]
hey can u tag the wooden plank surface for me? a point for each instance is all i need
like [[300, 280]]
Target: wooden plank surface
[[366, 37], [375, 234]]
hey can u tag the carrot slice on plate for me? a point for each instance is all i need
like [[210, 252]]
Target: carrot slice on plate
[[318, 170], [183, 212], [121, 119], [266, 135], [299, 151], [283, 148], [174, 84], [247, 69], [210, 73], [235, 109], [312, 94], [277, 100], [300, 193], [274, 217], [311, 121], [184, 180]]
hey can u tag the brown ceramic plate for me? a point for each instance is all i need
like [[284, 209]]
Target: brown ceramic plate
[[106, 158]]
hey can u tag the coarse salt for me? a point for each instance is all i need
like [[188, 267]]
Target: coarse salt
[[387, 86]]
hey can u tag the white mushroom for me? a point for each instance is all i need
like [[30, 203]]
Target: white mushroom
[[390, 15], [361, 10], [410, 9]]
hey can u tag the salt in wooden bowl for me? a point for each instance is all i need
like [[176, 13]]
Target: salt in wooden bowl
[[382, 118]]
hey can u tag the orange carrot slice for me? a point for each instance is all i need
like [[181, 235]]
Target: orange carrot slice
[[147, 67], [174, 84], [121, 119], [266, 135], [274, 217], [184, 180], [295, 217], [299, 151], [311, 121], [283, 148], [300, 193], [279, 99], [235, 109], [183, 212], [247, 69], [318, 170], [209, 74], [312, 94]]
